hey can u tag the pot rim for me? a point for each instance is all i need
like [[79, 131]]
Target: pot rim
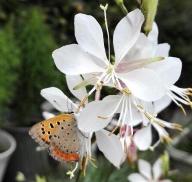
[[12, 146]]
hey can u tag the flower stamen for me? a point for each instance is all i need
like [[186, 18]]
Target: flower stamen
[[181, 95]]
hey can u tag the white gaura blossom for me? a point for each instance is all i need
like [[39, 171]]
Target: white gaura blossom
[[142, 71], [131, 113], [105, 142], [169, 71], [148, 173], [133, 51], [133, 110]]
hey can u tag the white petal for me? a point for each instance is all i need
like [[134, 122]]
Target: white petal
[[161, 104], [91, 78], [74, 80], [148, 106], [163, 134], [136, 177], [163, 50], [143, 138], [72, 60], [157, 169], [165, 67], [133, 118], [90, 117], [111, 147], [145, 168], [114, 98], [153, 34], [142, 49], [144, 84], [58, 99], [89, 35], [126, 33], [48, 115]]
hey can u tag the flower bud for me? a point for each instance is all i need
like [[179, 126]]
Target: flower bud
[[165, 163], [149, 9]]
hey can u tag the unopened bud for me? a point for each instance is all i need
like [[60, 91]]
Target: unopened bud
[[165, 163], [149, 9]]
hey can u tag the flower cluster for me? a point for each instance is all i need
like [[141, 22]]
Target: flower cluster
[[141, 71]]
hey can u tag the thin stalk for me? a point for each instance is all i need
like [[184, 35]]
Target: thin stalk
[[104, 8]]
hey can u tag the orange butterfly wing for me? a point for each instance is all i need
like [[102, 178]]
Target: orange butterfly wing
[[53, 134], [61, 156]]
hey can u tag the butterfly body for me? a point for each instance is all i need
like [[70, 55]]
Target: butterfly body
[[60, 136]]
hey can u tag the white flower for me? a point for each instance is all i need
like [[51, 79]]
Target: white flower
[[169, 71], [105, 142], [103, 111], [162, 49], [128, 106], [133, 51], [132, 112], [148, 173], [173, 66], [98, 114]]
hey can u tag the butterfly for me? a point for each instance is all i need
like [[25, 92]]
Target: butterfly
[[60, 136]]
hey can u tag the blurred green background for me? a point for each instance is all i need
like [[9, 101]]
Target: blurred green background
[[31, 29]]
